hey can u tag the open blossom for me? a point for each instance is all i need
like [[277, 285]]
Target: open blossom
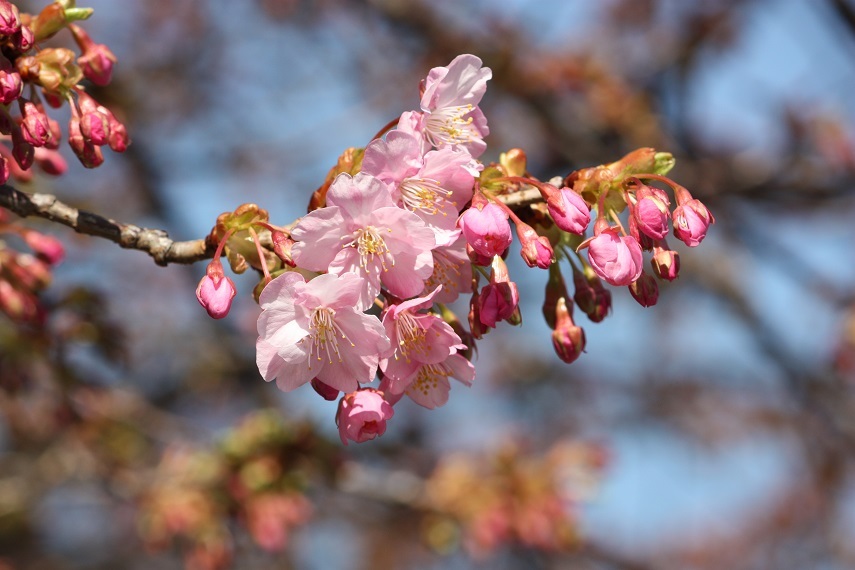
[[435, 185], [428, 386], [450, 113], [362, 415], [316, 329], [362, 231], [451, 268], [616, 259], [419, 338]]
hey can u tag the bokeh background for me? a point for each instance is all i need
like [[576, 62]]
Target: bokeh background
[[714, 430]]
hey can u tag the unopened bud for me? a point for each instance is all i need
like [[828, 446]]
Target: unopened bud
[[645, 290], [45, 246], [282, 244], [11, 85], [666, 263], [555, 290], [10, 19], [96, 60], [24, 39], [35, 126], [691, 220], [535, 249], [592, 298], [22, 151], [567, 338], [216, 291]]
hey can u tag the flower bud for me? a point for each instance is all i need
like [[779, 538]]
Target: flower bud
[[216, 291], [22, 151], [362, 415], [11, 85], [569, 211], [592, 298], [10, 20], [49, 21], [24, 39], [45, 246], [96, 60], [89, 155], [645, 290], [498, 300], [535, 249], [616, 259], [485, 227], [282, 244], [567, 338], [691, 220], [666, 263], [35, 126], [651, 211], [476, 325]]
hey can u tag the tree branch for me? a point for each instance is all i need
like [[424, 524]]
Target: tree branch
[[154, 242]]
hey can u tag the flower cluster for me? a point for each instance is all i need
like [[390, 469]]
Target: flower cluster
[[32, 75], [512, 498], [358, 288], [24, 274], [254, 479]]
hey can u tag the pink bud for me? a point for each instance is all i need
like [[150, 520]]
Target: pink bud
[[569, 211], [644, 290], [216, 291], [651, 211], [499, 299], [666, 263], [567, 338], [592, 298], [362, 415], [22, 151], [691, 221], [282, 248], [486, 229], [47, 247], [10, 21], [96, 60], [536, 249], [24, 39], [616, 259], [35, 126], [325, 391], [11, 85], [95, 127], [89, 155]]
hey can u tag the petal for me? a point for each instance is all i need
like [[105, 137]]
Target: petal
[[319, 238]]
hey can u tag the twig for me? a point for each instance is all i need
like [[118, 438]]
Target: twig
[[154, 242]]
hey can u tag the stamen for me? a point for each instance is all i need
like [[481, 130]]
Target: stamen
[[324, 335], [411, 335], [428, 378], [450, 125], [369, 243], [425, 195]]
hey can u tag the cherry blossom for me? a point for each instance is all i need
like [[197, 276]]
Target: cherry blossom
[[363, 232], [316, 329]]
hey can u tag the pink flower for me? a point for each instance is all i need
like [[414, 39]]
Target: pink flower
[[362, 415], [499, 299], [429, 386], [616, 259], [419, 338], [362, 231], [486, 228], [450, 104], [216, 291], [691, 221], [569, 211], [451, 269], [317, 329], [651, 211], [435, 185], [35, 126]]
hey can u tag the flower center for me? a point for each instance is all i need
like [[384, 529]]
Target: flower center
[[425, 195], [411, 335], [450, 125], [428, 378], [324, 336], [446, 272], [370, 244]]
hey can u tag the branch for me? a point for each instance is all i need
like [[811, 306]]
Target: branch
[[154, 242]]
